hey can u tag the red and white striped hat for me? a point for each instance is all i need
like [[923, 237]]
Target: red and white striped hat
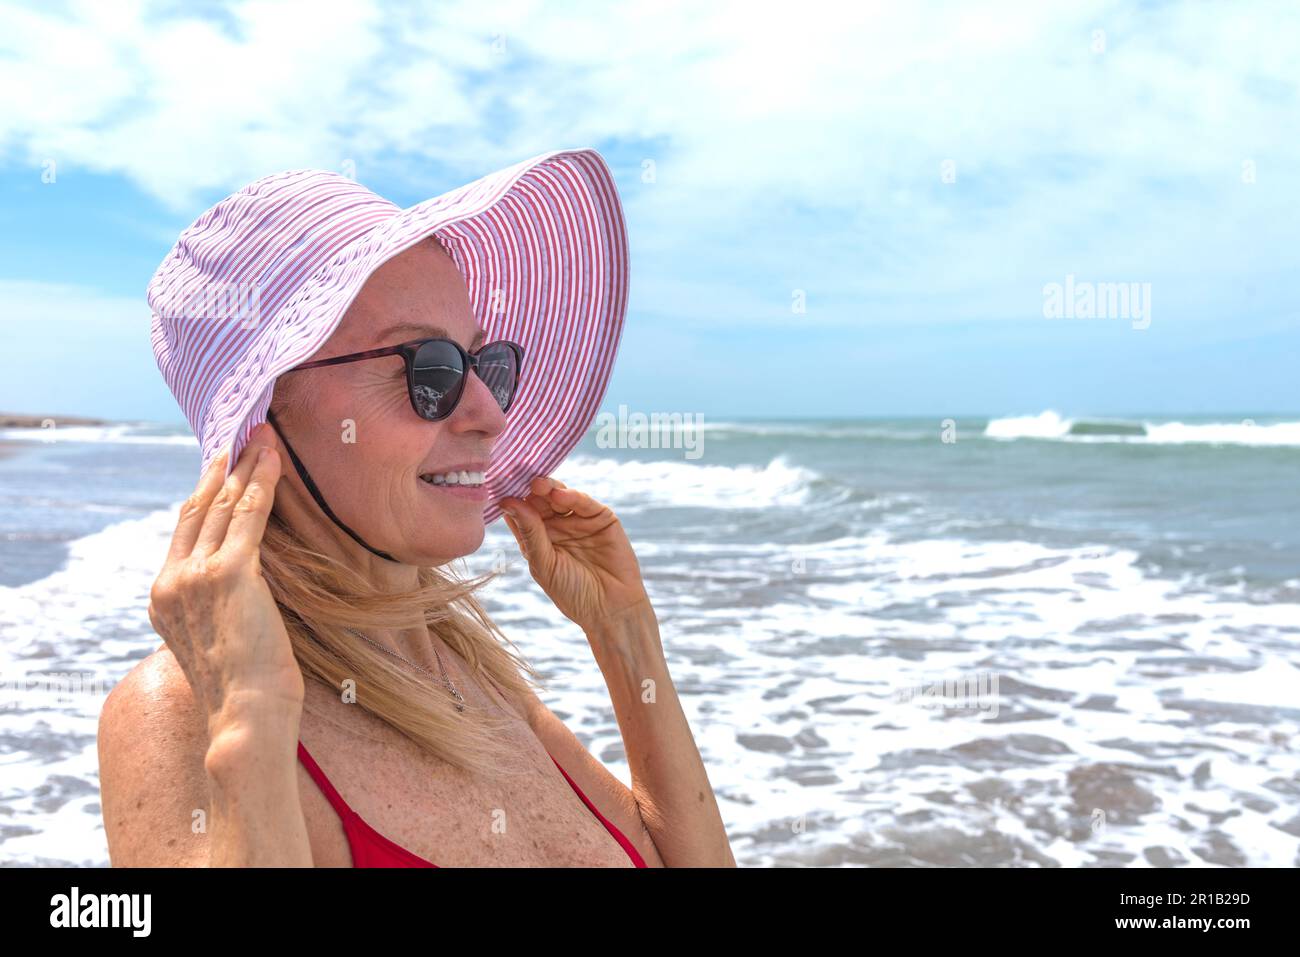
[[258, 283]]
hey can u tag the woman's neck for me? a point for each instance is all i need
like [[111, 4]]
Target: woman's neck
[[320, 534]]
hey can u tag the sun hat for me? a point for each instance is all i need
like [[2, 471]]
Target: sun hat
[[259, 282]]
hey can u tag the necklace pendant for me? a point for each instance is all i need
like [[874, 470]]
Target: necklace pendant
[[460, 700]]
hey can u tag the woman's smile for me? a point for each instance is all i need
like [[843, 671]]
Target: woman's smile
[[471, 492]]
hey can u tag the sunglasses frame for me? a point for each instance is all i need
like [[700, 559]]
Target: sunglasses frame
[[408, 351]]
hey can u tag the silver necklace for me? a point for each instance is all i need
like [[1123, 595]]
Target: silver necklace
[[460, 702]]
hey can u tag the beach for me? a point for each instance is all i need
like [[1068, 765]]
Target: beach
[[1020, 641]]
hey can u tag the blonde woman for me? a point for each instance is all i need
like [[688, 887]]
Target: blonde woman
[[371, 386]]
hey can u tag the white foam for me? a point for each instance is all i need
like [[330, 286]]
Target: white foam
[[1051, 425], [110, 434], [1224, 433], [1045, 425], [89, 618], [637, 484], [107, 573]]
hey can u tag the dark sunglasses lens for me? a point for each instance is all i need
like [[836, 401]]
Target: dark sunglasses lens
[[438, 377], [498, 366]]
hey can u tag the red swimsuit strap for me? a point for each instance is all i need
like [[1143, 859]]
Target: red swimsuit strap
[[317, 775], [618, 835], [628, 847]]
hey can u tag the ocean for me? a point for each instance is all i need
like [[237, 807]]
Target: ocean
[[1030, 641]]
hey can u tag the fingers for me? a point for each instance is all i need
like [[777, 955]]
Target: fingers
[[582, 504], [538, 497], [551, 498], [248, 521], [529, 529], [213, 532], [195, 508]]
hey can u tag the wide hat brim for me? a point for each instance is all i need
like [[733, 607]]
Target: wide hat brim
[[542, 247]]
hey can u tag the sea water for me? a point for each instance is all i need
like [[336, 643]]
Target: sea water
[[1125, 595]]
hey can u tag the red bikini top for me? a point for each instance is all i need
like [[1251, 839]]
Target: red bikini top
[[372, 849]]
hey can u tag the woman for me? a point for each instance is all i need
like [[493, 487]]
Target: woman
[[370, 387]]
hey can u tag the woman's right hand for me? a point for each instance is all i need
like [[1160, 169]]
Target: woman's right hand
[[212, 606]]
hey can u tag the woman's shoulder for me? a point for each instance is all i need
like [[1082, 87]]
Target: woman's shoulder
[[152, 742], [154, 702]]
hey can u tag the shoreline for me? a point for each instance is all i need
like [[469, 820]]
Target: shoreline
[[21, 420]]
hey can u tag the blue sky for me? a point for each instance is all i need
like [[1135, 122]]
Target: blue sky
[[915, 173]]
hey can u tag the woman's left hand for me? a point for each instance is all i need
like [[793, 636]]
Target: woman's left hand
[[583, 561]]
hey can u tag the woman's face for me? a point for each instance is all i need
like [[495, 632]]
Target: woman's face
[[362, 443]]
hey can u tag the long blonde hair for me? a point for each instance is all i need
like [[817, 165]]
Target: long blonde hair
[[319, 597]]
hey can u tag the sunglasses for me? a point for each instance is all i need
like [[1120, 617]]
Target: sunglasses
[[436, 370]]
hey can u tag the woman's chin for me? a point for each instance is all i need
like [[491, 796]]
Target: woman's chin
[[452, 537], [448, 524]]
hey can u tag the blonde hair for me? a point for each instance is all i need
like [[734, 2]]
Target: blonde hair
[[319, 597]]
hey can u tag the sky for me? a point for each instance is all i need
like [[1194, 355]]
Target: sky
[[834, 210]]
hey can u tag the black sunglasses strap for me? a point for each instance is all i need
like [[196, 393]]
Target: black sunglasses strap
[[315, 492]]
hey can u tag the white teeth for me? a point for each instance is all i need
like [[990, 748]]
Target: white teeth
[[454, 478]]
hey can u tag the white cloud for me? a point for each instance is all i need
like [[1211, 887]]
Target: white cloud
[[818, 127]]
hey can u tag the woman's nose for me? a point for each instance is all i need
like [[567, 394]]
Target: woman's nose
[[479, 408]]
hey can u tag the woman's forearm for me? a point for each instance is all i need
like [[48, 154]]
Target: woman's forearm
[[669, 780], [256, 817]]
